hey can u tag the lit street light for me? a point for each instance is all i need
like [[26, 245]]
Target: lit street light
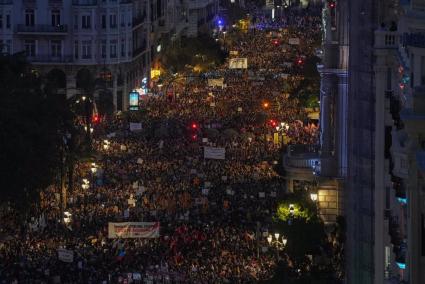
[[278, 244]]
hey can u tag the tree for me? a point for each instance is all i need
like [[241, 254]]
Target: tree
[[34, 122]]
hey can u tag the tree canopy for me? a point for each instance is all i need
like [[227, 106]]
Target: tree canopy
[[34, 121]]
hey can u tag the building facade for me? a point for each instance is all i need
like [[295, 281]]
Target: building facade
[[373, 134], [111, 41]]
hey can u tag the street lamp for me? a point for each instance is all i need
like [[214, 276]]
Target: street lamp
[[313, 196], [291, 209], [278, 244]]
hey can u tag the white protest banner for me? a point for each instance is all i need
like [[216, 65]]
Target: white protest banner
[[238, 63], [216, 82], [123, 148], [65, 255], [135, 126], [204, 140], [294, 41], [131, 230], [261, 194], [216, 153]]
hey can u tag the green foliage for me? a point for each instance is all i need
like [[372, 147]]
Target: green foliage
[[304, 230], [202, 51], [33, 122], [303, 207]]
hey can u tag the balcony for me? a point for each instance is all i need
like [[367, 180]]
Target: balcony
[[197, 4], [42, 29], [48, 59], [386, 39], [84, 2], [300, 161]]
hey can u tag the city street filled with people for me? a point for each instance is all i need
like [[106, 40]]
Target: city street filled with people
[[202, 159]]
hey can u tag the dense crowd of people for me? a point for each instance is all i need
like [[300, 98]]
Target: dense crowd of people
[[214, 214]]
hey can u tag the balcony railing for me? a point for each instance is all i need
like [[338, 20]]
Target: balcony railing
[[386, 39], [84, 2], [51, 59], [42, 29]]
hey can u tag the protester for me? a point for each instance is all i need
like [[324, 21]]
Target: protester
[[214, 214]]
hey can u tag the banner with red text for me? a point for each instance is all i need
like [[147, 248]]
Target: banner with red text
[[131, 230]]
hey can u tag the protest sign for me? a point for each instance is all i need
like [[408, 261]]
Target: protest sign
[[65, 255], [294, 41], [128, 230], [238, 63], [216, 153], [135, 126]]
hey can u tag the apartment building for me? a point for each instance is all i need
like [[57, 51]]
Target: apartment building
[[71, 39], [372, 135], [111, 41]]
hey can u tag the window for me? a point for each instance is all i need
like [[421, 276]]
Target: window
[[113, 49], [29, 18], [56, 48], [422, 70], [8, 21], [76, 49], [103, 49], [75, 22], [113, 21], [86, 22], [103, 21], [129, 47], [122, 20], [403, 164], [56, 18], [29, 47], [1, 21], [86, 49], [123, 48]]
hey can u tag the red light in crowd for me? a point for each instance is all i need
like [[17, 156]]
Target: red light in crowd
[[194, 126], [275, 42], [95, 118], [332, 5], [300, 61], [273, 122]]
